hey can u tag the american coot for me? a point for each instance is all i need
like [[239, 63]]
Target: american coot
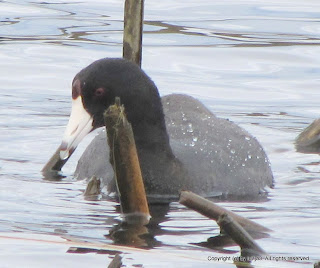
[[181, 145]]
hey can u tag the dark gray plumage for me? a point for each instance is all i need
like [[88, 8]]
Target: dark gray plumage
[[214, 157], [181, 145]]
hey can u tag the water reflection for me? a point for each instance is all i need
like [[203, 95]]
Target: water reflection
[[75, 26]]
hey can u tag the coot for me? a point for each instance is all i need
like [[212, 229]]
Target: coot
[[181, 145]]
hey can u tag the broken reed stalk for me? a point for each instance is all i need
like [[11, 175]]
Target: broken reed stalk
[[213, 211], [239, 235], [93, 187], [308, 140], [54, 165], [132, 32], [125, 164], [116, 262]]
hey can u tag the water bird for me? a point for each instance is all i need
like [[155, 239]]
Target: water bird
[[181, 144]]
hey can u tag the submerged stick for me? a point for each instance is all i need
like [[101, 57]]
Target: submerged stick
[[116, 262], [51, 169], [308, 140], [132, 32], [239, 235], [213, 211], [93, 187], [125, 162]]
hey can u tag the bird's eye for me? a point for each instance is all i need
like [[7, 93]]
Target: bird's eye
[[99, 92]]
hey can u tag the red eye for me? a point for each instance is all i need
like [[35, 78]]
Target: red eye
[[99, 92]]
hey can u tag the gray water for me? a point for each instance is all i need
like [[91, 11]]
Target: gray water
[[254, 62]]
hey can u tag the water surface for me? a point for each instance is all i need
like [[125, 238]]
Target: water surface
[[254, 62]]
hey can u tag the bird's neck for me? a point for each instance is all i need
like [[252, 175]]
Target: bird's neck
[[147, 119], [152, 137]]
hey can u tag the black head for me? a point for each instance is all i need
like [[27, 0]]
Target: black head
[[105, 79], [95, 88]]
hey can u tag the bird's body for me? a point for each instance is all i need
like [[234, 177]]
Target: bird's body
[[181, 145]]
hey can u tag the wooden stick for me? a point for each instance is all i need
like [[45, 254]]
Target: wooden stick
[[125, 163], [116, 262], [132, 33], [308, 140], [213, 211], [239, 235], [93, 187], [51, 170]]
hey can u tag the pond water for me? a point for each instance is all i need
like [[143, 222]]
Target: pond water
[[254, 62]]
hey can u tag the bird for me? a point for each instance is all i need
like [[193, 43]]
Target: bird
[[181, 144]]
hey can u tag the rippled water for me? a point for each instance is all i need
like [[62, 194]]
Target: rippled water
[[255, 62]]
